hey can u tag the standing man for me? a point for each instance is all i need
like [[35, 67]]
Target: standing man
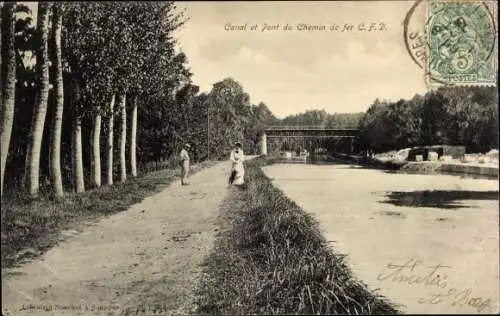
[[185, 164]]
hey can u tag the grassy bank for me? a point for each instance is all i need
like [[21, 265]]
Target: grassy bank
[[270, 258], [32, 226]]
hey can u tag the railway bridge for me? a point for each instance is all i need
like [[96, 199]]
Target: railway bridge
[[314, 139]]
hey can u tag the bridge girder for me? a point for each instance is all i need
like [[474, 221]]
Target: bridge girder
[[312, 137], [312, 132]]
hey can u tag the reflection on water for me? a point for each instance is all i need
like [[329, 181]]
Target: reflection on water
[[438, 199]]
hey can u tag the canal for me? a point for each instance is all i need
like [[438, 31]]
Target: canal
[[428, 242]]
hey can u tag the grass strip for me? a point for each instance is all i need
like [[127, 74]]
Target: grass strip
[[270, 258], [32, 226]]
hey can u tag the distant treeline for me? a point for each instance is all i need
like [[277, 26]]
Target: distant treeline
[[466, 116], [323, 119]]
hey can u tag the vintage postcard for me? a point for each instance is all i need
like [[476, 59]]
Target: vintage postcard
[[249, 157]]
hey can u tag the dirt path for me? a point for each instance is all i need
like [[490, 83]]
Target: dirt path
[[148, 256]]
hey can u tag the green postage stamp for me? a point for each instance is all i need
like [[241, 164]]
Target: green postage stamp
[[462, 39]]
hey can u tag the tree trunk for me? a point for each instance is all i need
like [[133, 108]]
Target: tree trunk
[[123, 136], [133, 137], [8, 83], [32, 181], [96, 150], [109, 145], [76, 140], [55, 146], [1, 73]]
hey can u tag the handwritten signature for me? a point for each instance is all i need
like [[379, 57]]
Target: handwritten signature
[[434, 277]]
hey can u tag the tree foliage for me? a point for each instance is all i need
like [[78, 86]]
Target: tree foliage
[[321, 118], [211, 122], [465, 116], [129, 48]]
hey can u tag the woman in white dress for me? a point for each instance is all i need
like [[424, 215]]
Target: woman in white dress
[[237, 170]]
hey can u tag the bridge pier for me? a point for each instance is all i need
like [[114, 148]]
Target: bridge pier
[[263, 144]]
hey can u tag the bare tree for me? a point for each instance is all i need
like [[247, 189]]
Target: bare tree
[[109, 144], [32, 170], [55, 137], [133, 138], [96, 149], [8, 82], [76, 137], [123, 135]]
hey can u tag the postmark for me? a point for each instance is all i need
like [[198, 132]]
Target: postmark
[[453, 42]]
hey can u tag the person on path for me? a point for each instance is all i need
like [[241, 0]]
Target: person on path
[[185, 164], [237, 170]]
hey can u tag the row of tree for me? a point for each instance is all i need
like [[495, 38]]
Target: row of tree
[[464, 116], [321, 118], [89, 55], [90, 70]]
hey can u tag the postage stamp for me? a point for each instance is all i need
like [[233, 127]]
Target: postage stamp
[[462, 41], [454, 42]]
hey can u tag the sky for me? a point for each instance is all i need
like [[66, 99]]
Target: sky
[[298, 70], [294, 71]]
